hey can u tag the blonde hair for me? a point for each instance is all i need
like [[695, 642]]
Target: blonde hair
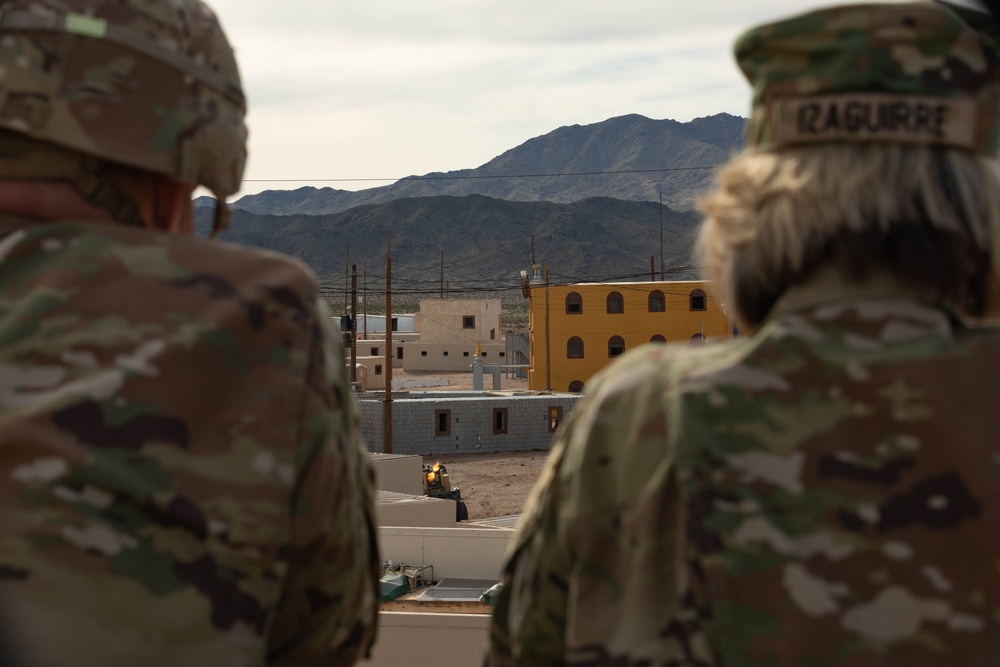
[[914, 211]]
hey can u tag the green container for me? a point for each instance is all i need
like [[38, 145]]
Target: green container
[[490, 596], [393, 585]]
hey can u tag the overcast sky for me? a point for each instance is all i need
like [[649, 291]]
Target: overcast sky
[[381, 89]]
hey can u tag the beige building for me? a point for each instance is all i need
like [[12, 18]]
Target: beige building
[[449, 331], [459, 321]]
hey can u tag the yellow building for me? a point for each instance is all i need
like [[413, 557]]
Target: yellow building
[[578, 329]]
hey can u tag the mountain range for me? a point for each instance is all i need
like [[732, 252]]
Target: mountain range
[[630, 157], [588, 196]]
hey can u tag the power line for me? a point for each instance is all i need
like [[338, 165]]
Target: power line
[[476, 177], [420, 287]]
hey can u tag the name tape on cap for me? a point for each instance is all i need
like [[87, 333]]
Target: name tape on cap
[[850, 117]]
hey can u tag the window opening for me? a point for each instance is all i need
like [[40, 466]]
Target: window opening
[[657, 302], [442, 420], [499, 421], [555, 416], [616, 303], [574, 304], [698, 300], [616, 346]]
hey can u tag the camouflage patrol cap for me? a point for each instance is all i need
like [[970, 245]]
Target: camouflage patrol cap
[[149, 84], [906, 73]]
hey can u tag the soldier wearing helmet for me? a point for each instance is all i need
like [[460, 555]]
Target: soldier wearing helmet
[[823, 492], [182, 479]]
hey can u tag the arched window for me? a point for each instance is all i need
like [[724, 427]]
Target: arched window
[[697, 339], [657, 304], [574, 304], [616, 346], [616, 303], [576, 387], [698, 300], [658, 339], [574, 348]]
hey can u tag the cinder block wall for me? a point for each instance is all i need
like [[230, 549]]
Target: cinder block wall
[[415, 423]]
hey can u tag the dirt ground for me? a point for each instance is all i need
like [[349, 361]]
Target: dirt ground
[[493, 485]]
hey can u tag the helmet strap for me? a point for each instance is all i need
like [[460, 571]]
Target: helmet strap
[[106, 195], [222, 217]]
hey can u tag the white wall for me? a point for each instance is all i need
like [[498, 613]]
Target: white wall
[[397, 509], [398, 473], [427, 639], [474, 553], [416, 639]]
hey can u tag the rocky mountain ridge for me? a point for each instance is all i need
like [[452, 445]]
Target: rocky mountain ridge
[[632, 158]]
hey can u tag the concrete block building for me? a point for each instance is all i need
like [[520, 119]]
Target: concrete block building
[[439, 423]]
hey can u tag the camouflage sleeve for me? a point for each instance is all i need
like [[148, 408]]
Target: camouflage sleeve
[[571, 574], [327, 611], [530, 612]]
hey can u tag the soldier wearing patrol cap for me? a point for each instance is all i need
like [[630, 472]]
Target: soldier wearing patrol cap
[[823, 492], [182, 480]]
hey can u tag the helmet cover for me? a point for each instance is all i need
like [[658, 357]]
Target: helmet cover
[[149, 84]]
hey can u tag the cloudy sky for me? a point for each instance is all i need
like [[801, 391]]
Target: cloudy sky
[[346, 90]]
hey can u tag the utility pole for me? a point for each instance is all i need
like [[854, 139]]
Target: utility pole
[[364, 296], [548, 337], [388, 345], [347, 275], [532, 249], [662, 268], [354, 323], [652, 269], [442, 274]]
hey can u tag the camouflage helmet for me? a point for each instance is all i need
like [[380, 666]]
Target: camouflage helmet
[[149, 84], [905, 73]]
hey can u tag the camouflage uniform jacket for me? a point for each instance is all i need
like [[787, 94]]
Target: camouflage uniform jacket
[[823, 494], [182, 480]]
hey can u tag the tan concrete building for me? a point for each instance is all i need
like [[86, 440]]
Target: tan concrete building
[[449, 331], [460, 321]]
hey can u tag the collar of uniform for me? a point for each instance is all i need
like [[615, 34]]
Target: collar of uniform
[[827, 286]]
